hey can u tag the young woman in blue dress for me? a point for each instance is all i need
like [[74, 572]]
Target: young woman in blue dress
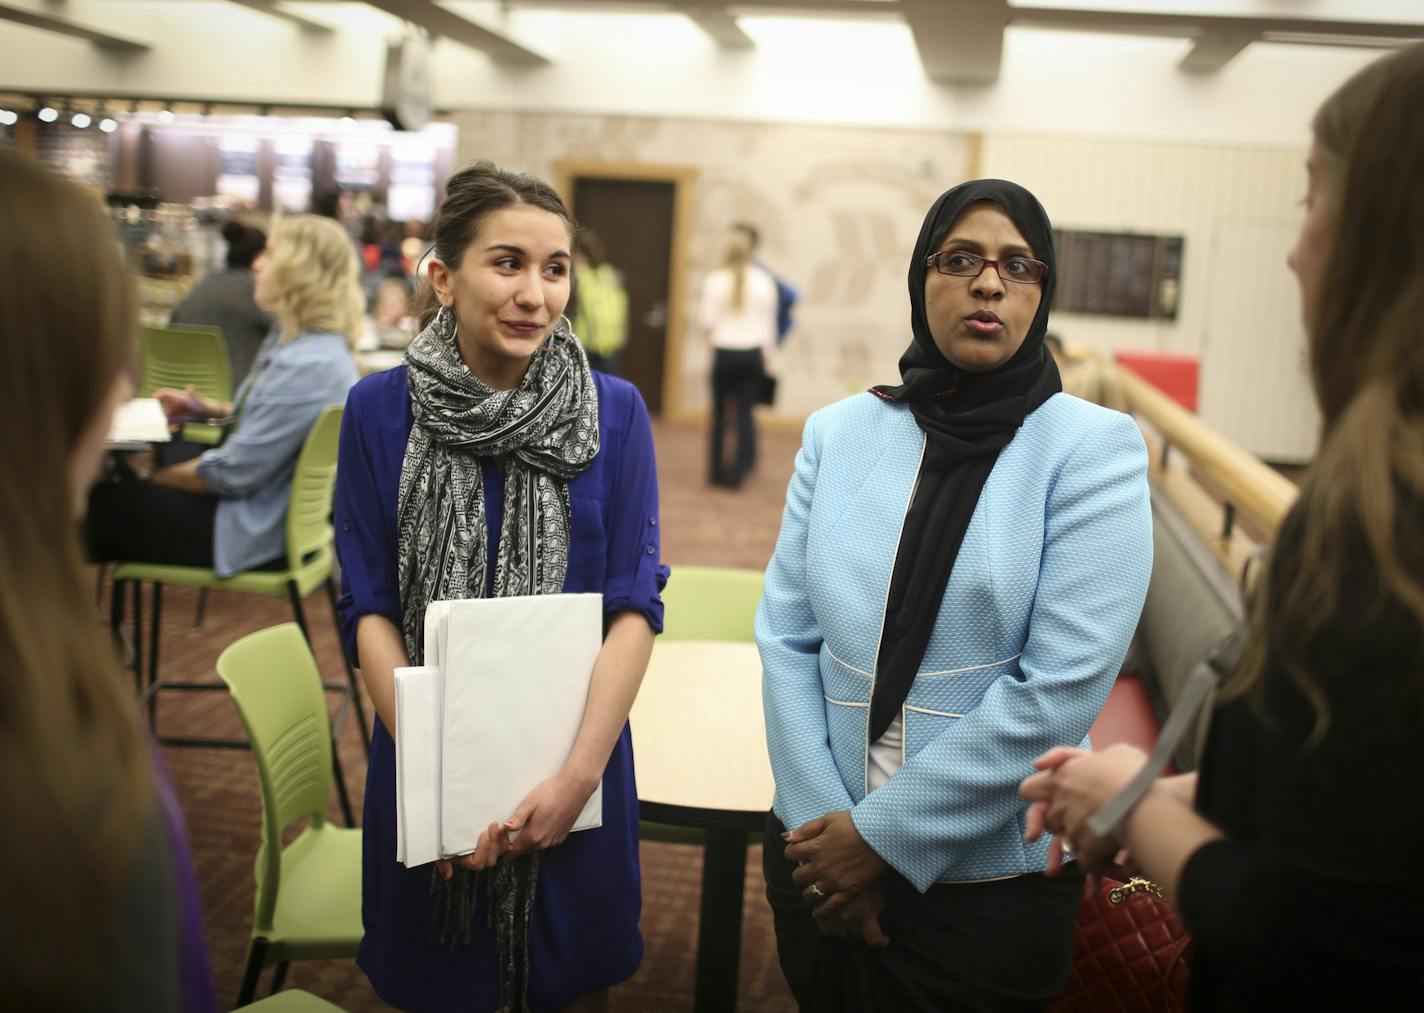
[[495, 462]]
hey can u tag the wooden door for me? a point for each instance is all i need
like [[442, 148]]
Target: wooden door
[[634, 218]]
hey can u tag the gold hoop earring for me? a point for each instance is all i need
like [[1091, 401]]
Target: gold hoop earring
[[568, 324]]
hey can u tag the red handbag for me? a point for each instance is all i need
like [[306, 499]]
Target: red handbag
[[1130, 952]]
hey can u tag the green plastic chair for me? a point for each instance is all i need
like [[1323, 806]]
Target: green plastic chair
[[705, 603], [309, 543], [711, 603], [308, 904], [176, 356], [294, 1000]]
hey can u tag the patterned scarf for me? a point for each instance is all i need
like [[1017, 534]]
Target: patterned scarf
[[547, 430]]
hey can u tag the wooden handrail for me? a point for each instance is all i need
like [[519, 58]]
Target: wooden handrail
[[1245, 483]]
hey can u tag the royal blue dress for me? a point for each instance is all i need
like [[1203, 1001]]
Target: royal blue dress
[[588, 898]]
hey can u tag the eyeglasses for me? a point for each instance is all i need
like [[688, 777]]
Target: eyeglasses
[[967, 265]]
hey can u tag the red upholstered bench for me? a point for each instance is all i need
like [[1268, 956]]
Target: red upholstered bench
[[1128, 716]]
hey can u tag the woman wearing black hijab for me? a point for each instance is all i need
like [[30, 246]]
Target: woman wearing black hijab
[[961, 564]]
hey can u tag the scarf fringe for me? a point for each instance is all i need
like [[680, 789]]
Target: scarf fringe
[[509, 891]]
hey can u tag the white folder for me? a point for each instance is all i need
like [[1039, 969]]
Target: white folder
[[420, 697], [139, 422], [512, 681]]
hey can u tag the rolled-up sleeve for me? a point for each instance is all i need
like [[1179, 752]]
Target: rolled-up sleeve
[[635, 574], [276, 417], [369, 580]]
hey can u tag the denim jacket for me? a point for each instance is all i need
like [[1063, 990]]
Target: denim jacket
[[251, 473]]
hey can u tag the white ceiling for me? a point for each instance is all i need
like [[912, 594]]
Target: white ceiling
[[1082, 67], [958, 41]]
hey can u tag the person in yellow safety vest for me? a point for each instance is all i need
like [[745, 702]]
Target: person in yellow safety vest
[[601, 316]]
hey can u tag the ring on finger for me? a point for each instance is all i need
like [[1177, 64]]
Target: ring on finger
[[816, 890]]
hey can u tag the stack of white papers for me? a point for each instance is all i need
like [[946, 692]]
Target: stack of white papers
[[138, 422], [494, 711]]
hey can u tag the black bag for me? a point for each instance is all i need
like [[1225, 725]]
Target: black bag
[[766, 390]]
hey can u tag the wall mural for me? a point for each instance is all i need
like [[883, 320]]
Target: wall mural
[[838, 209]]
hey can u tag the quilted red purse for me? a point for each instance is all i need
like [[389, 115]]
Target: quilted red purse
[[1129, 952]]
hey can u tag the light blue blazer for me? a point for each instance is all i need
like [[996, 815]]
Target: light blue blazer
[[1038, 614]]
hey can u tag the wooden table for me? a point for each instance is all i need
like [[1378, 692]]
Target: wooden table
[[699, 745]]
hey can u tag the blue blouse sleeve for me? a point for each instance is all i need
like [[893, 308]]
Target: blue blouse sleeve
[[636, 574], [369, 580]]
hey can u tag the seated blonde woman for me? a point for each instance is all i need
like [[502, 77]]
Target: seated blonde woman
[[227, 508]]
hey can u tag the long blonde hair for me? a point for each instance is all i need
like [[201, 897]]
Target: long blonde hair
[[1359, 504], [737, 259], [317, 276], [78, 781]]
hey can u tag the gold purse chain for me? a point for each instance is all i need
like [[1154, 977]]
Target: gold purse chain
[[1119, 894]]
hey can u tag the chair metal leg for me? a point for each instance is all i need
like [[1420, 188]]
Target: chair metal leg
[[297, 613], [256, 956], [341, 794], [154, 627], [137, 627], [202, 610], [279, 977], [350, 672], [116, 630]]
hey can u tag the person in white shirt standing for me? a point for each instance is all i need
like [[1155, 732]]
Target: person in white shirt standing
[[738, 314]]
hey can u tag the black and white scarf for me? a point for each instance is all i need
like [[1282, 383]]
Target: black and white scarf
[[546, 429]]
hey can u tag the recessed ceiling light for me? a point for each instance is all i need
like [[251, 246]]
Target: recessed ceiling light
[[108, 124], [80, 120], [8, 117], [48, 114]]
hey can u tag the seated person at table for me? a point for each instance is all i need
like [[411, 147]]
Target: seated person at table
[[227, 508], [390, 324], [226, 300], [100, 907]]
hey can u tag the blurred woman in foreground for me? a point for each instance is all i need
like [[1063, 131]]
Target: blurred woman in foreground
[[1288, 854], [99, 906]]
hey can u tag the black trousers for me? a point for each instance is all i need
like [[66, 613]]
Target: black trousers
[[736, 378], [130, 518], [1000, 945]]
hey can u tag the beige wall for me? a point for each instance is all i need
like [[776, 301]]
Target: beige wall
[[1239, 208], [838, 207]]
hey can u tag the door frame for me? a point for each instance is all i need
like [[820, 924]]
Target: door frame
[[684, 179]]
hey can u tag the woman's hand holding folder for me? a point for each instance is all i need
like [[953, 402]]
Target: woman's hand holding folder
[[543, 820], [492, 844], [546, 815]]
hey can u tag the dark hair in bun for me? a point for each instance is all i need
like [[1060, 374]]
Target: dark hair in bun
[[244, 243]]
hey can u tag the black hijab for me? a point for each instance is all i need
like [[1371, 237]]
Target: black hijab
[[967, 418]]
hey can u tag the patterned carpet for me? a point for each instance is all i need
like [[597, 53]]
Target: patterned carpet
[[218, 788]]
